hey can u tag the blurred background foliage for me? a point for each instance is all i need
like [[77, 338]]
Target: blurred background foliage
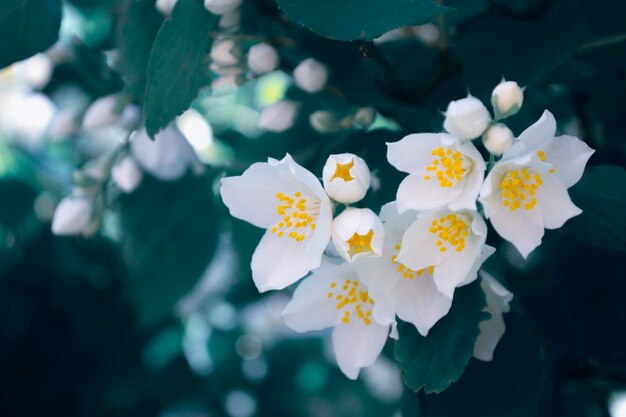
[[154, 313]]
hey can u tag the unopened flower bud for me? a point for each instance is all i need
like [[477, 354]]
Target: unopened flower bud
[[127, 174], [507, 99], [103, 112], [346, 178], [467, 118], [498, 139], [358, 233], [230, 20], [311, 75], [221, 7], [165, 6], [324, 122], [224, 52], [262, 58], [72, 216], [279, 116], [364, 117]]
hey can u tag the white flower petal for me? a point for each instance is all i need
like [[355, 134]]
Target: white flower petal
[[310, 308], [498, 299], [72, 216], [554, 202], [416, 193], [278, 262], [568, 155], [523, 228], [540, 133], [450, 273], [413, 151], [358, 345], [419, 249]]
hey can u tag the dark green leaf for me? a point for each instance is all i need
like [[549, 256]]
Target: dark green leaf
[[135, 34], [601, 194], [171, 232], [524, 50], [507, 386], [438, 360], [177, 67], [27, 27], [348, 20]]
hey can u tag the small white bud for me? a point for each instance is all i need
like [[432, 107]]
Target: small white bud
[[498, 139], [467, 118], [103, 112], [279, 116], [224, 52], [324, 122], [72, 216], [127, 174], [262, 58], [230, 20], [221, 7], [507, 99], [346, 178], [311, 75], [358, 233], [165, 7], [364, 117]]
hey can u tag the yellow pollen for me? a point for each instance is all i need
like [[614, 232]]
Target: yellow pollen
[[352, 297], [519, 188], [360, 243], [451, 230], [541, 155], [449, 166], [295, 216], [343, 171], [405, 271]]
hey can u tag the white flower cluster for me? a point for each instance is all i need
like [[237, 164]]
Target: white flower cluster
[[407, 262]]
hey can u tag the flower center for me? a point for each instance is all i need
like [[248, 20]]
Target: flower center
[[298, 216], [452, 231], [407, 272], [449, 166], [542, 158], [343, 171], [354, 299], [519, 187], [360, 243]]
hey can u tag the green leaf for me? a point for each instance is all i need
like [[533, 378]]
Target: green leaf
[[134, 36], [178, 66], [348, 20], [171, 231], [601, 195], [27, 27], [507, 386], [438, 360], [524, 50]]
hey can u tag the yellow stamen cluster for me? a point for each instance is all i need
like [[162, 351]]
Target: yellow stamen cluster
[[519, 188], [360, 243], [407, 272], [353, 298], [452, 231], [296, 219], [343, 171], [542, 158], [449, 166]]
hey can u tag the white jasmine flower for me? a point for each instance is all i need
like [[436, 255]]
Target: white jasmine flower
[[221, 7], [568, 155], [467, 118], [103, 112], [288, 201], [498, 139], [498, 299], [451, 242], [413, 295], [444, 171], [333, 296], [358, 233], [262, 58], [346, 178], [507, 99], [311, 75], [73, 216], [167, 157], [278, 116], [30, 74], [126, 174]]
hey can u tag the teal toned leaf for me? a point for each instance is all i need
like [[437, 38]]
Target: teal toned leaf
[[178, 66], [601, 194], [434, 362], [27, 27], [348, 20]]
